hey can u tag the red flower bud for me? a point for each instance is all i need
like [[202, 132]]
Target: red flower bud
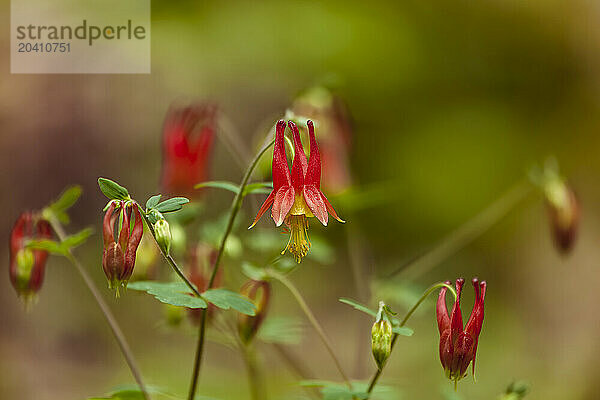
[[118, 258], [564, 213], [458, 346], [259, 292], [26, 265], [188, 136]]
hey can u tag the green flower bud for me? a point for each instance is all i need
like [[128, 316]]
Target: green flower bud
[[381, 338], [163, 235]]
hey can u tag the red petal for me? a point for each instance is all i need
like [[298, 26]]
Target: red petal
[[284, 199], [475, 322], [265, 206], [313, 174], [108, 225], [456, 323], [281, 172], [441, 311], [125, 228], [330, 208], [299, 164], [314, 200]]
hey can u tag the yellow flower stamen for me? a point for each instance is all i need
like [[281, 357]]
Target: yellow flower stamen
[[299, 243]]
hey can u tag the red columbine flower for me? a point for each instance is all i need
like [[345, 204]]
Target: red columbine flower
[[118, 258], [298, 196], [188, 137], [458, 346], [259, 292], [26, 265]]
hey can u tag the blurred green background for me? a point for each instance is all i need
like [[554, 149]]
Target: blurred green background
[[452, 101]]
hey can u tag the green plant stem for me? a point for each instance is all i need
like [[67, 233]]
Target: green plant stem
[[409, 314], [112, 322], [235, 208], [170, 259], [465, 234], [311, 318], [257, 391]]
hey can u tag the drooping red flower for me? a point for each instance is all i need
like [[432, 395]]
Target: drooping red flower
[[458, 345], [118, 257], [259, 292], [188, 136], [297, 196], [27, 266]]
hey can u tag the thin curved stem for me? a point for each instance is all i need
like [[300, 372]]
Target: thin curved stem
[[465, 233], [112, 322], [235, 208], [311, 318], [170, 259], [409, 314]]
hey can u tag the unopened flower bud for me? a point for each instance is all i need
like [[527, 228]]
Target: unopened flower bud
[[26, 265], [564, 212], [118, 257], [163, 235], [381, 338], [259, 292]]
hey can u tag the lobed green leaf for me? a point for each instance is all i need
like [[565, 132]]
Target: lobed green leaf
[[174, 293], [113, 190], [153, 201], [76, 239], [171, 205], [227, 299], [50, 246], [358, 306]]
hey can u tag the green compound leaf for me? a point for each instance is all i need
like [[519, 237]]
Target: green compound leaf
[[153, 201], [174, 293], [339, 391], [402, 330], [225, 185], [171, 205], [76, 239], [50, 246], [358, 306], [227, 299], [66, 200], [113, 190], [257, 187]]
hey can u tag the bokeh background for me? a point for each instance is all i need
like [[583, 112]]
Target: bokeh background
[[451, 103]]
